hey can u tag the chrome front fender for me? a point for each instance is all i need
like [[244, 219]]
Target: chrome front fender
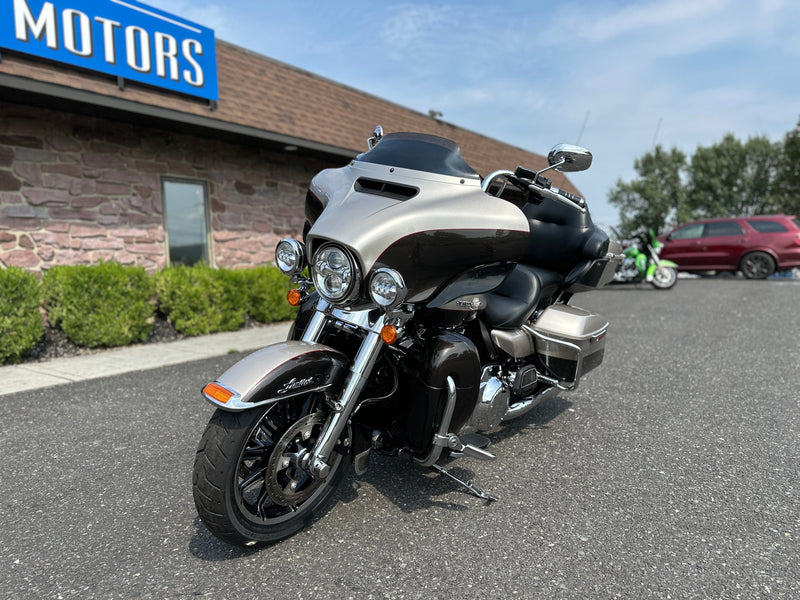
[[277, 372]]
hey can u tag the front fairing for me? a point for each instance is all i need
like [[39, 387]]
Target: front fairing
[[447, 226]]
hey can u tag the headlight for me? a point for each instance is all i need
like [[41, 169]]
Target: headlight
[[335, 273], [387, 288], [290, 256]]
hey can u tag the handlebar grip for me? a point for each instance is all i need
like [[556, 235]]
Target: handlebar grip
[[573, 198]]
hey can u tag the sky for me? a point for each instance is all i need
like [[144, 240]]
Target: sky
[[614, 76]]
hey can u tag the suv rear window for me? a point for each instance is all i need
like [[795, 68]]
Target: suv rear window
[[722, 228], [767, 226]]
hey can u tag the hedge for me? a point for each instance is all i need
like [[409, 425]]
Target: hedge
[[267, 288], [20, 320], [107, 304], [200, 300]]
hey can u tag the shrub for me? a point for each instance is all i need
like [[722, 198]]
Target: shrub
[[20, 321], [107, 304], [200, 300], [266, 289]]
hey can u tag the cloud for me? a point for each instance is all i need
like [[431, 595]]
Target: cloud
[[410, 25], [208, 14], [638, 18]]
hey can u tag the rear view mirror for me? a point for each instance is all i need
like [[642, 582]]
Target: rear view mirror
[[568, 158]]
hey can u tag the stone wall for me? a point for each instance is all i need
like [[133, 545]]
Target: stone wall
[[77, 189]]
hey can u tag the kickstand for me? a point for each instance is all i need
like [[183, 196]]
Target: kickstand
[[467, 484]]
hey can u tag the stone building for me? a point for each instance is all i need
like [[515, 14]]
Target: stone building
[[94, 167]]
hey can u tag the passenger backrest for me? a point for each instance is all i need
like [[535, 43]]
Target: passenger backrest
[[561, 237]]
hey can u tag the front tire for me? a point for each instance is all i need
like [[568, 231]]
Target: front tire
[[665, 277], [248, 486]]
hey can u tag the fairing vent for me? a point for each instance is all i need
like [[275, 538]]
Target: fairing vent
[[385, 189]]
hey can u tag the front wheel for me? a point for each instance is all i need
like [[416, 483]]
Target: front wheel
[[665, 277], [249, 487]]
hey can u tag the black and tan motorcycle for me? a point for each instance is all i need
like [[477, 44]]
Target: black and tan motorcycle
[[436, 307]]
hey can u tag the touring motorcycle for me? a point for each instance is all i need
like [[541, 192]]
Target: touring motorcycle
[[642, 262], [433, 306]]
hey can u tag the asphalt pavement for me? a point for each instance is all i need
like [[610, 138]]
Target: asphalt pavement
[[672, 472]]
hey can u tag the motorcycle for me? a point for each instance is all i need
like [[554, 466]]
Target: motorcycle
[[435, 307], [642, 262]]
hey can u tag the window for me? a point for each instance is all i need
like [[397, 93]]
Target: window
[[687, 233], [186, 222], [767, 226], [722, 228]]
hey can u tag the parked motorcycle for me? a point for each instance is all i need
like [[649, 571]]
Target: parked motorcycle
[[643, 263], [436, 307]]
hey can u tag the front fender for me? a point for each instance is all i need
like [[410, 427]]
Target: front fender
[[277, 372], [668, 263]]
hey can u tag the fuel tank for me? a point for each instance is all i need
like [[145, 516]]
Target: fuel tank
[[412, 204]]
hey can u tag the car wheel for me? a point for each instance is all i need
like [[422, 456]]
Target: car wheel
[[757, 265]]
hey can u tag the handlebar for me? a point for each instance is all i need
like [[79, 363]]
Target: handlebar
[[530, 181]]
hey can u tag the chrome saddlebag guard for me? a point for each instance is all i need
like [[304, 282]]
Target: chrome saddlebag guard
[[276, 372]]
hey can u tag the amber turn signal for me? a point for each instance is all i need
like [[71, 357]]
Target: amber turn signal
[[216, 392], [389, 334], [294, 297]]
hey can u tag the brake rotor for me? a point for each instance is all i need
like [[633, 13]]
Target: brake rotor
[[286, 482]]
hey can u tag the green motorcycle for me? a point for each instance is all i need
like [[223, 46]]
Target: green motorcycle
[[642, 262]]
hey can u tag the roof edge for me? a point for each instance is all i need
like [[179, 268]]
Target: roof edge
[[130, 106]]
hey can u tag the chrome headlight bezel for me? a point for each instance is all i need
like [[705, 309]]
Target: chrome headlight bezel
[[352, 283], [290, 256], [387, 288]]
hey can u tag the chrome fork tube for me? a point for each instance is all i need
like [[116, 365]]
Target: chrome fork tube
[[359, 374], [317, 322]]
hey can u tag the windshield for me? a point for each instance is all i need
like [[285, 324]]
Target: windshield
[[420, 152]]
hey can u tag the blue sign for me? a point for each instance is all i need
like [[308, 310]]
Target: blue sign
[[123, 38]]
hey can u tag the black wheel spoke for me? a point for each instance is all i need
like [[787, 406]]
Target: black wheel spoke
[[253, 452], [263, 503], [251, 478]]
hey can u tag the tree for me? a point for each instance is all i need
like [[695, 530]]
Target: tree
[[656, 199], [787, 189], [731, 179]]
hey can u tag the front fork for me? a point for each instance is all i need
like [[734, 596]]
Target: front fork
[[317, 463], [648, 264]]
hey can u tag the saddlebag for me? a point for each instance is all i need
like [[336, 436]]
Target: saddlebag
[[569, 342]]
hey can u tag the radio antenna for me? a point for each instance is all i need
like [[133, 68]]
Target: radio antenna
[[658, 128], [580, 135]]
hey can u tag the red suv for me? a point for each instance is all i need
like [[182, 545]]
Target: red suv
[[756, 246]]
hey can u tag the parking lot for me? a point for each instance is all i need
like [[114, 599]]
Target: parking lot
[[672, 472]]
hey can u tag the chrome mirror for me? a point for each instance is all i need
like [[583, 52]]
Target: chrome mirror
[[568, 158], [377, 134]]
